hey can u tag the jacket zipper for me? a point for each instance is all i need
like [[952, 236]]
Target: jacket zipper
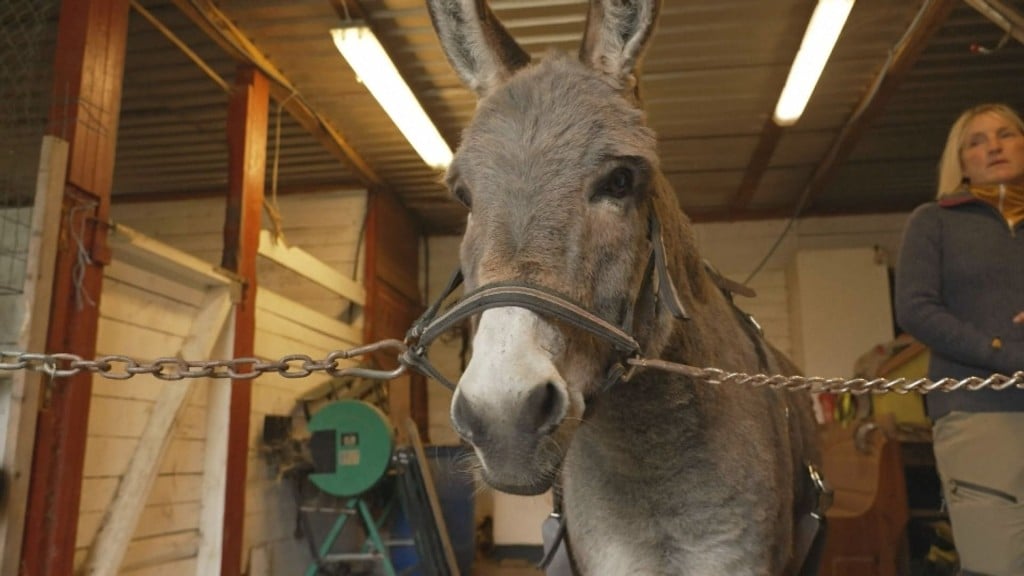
[[982, 490]]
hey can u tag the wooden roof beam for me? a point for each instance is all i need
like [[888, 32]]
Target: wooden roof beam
[[930, 19], [932, 15], [223, 31], [771, 133]]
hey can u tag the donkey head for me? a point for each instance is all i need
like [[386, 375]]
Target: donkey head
[[560, 175]]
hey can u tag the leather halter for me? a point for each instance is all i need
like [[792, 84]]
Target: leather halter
[[549, 303]]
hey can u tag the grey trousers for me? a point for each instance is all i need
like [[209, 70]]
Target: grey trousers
[[980, 457]]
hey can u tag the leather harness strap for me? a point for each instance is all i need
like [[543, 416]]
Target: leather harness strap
[[547, 302]]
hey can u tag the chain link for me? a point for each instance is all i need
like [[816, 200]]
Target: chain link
[[119, 367]]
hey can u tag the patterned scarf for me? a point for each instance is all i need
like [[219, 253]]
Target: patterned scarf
[[1007, 198]]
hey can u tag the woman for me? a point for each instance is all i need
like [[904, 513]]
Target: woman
[[960, 291]]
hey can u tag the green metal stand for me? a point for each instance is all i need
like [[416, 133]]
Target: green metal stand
[[373, 549]]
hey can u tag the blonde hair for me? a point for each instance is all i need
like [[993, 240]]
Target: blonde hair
[[951, 174]]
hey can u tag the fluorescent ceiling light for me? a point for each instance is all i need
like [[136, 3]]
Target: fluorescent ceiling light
[[826, 23], [374, 69]]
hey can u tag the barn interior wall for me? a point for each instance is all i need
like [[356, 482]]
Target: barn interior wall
[[735, 249], [146, 316]]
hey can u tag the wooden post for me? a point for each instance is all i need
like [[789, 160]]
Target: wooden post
[[393, 299], [88, 73], [247, 145]]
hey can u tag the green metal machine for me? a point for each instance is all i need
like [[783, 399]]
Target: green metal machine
[[351, 445], [349, 466], [353, 440]]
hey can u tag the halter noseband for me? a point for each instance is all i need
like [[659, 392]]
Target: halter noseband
[[548, 303]]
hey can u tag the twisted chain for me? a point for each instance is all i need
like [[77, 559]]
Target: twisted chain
[[119, 367], [855, 386]]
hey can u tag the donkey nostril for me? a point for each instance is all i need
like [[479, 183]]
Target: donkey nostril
[[467, 424], [543, 409]]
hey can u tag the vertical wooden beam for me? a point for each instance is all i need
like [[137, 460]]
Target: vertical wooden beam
[[393, 298], [247, 145], [88, 74]]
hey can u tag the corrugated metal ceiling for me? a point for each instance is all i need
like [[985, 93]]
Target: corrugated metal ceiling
[[711, 79]]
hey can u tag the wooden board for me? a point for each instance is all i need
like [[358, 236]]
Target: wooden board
[[305, 264], [22, 395]]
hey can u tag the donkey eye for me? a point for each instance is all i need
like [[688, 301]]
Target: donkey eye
[[618, 184], [461, 193]]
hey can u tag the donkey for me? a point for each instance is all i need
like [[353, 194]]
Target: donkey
[[660, 474]]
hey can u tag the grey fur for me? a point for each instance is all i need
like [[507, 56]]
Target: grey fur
[[478, 47], [666, 475]]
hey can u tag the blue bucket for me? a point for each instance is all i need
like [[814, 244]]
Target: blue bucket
[[456, 492]]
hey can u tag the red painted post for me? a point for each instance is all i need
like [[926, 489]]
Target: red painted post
[[247, 145], [88, 76]]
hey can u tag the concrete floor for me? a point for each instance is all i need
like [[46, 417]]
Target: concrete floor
[[504, 568]]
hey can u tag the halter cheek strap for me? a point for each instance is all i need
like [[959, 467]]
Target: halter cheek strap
[[666, 288]]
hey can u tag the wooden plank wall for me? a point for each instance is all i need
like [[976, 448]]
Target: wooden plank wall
[[145, 316], [289, 320]]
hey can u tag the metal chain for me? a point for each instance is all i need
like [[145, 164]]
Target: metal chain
[[855, 386], [123, 367], [119, 367]]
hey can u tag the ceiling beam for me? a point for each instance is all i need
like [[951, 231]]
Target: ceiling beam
[[932, 15], [762, 156], [930, 19], [223, 31]]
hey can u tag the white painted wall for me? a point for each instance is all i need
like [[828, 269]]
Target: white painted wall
[[735, 249], [840, 307]]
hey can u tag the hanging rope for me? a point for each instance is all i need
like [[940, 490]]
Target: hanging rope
[[271, 205]]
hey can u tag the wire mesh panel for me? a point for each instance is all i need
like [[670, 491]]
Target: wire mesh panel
[[28, 30]]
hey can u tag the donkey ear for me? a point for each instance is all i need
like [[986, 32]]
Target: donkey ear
[[479, 48], [616, 35]]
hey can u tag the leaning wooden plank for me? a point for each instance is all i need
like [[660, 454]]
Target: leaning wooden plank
[[305, 264], [140, 250], [214, 492], [115, 534], [23, 397]]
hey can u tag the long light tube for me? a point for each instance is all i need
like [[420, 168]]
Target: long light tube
[[820, 38], [374, 69]]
